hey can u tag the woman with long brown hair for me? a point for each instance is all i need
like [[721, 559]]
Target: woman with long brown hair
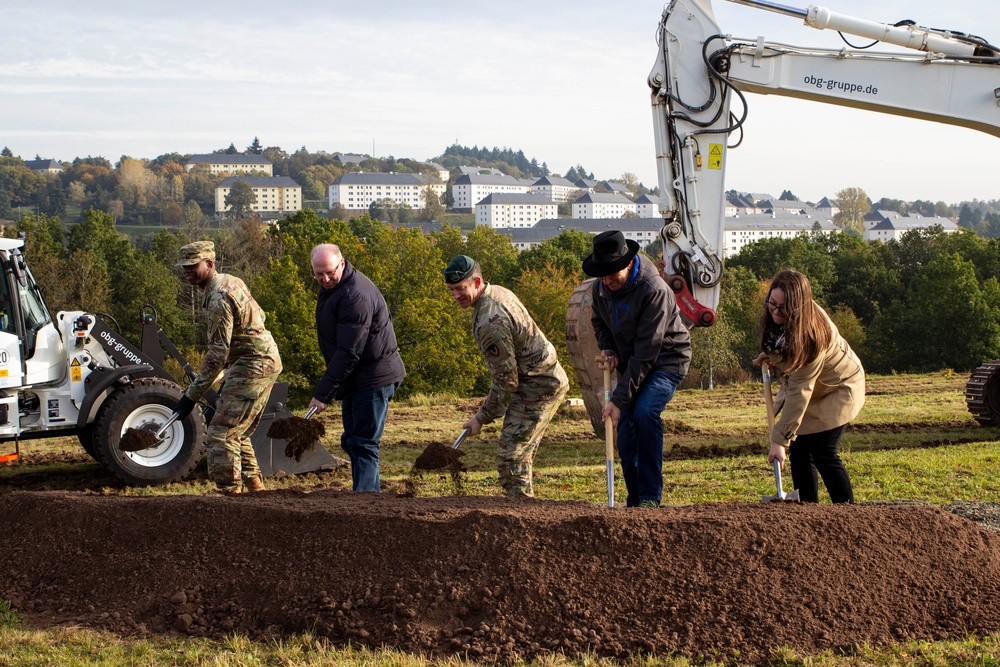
[[822, 386]]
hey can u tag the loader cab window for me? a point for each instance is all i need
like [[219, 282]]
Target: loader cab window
[[33, 311], [6, 309]]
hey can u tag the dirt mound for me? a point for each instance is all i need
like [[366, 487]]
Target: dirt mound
[[490, 577]]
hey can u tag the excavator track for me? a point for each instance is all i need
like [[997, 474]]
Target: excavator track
[[982, 394]]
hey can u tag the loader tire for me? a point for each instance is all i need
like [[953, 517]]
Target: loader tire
[[86, 437], [982, 394], [147, 403]]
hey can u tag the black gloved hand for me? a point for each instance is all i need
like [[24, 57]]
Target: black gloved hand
[[184, 406]]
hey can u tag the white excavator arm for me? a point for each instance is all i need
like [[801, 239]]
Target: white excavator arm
[[946, 76]]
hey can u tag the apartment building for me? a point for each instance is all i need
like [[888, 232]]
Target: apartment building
[[44, 166], [356, 191], [641, 230], [274, 194], [647, 206], [470, 189], [509, 211], [602, 205], [220, 163], [888, 226], [556, 188], [741, 231]]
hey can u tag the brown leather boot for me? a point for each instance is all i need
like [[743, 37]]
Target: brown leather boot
[[256, 484]]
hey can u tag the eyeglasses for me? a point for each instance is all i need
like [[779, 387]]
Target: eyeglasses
[[775, 307]]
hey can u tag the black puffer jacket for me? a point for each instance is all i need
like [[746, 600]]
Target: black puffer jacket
[[356, 338], [642, 325]]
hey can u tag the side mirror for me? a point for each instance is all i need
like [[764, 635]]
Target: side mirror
[[19, 269]]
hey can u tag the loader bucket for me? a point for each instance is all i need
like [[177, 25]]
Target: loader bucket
[[270, 452], [582, 346]]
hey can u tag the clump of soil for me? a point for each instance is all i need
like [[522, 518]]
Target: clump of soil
[[137, 439], [501, 580], [302, 434], [439, 457]]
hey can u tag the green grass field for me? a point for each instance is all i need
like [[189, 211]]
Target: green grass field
[[914, 440]]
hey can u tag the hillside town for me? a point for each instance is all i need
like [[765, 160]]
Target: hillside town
[[529, 210]]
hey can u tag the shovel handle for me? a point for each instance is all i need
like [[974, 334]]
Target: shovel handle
[[609, 433], [462, 436], [163, 429], [777, 479], [765, 370]]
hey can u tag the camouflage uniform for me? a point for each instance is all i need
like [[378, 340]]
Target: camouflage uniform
[[240, 346], [528, 383]]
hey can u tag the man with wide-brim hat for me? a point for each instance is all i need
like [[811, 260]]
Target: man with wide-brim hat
[[241, 347], [641, 336]]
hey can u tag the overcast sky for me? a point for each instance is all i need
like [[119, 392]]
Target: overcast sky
[[564, 81]]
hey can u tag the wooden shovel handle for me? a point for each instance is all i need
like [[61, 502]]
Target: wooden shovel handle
[[609, 426]]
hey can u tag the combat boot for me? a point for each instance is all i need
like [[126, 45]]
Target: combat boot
[[255, 484]]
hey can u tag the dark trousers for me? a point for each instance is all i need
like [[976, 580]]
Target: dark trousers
[[817, 452], [640, 438], [364, 415]]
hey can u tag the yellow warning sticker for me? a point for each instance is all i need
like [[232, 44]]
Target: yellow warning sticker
[[4, 373], [76, 362], [715, 156], [76, 374]]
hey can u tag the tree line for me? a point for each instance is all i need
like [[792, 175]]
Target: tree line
[[928, 302]]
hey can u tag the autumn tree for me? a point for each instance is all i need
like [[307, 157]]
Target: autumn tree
[[496, 256], [854, 206], [240, 199], [545, 292], [630, 181]]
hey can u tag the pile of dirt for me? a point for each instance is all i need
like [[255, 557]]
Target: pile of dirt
[[497, 578]]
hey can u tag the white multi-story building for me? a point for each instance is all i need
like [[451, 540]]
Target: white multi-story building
[[556, 188], [893, 225], [647, 207], [503, 211], [274, 194], [602, 205], [356, 191], [470, 189], [220, 163], [742, 230], [641, 230]]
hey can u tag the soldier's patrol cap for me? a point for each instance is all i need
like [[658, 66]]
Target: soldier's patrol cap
[[193, 253], [459, 269]]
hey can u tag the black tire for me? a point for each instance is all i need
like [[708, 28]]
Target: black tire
[[982, 394], [86, 437], [146, 404]]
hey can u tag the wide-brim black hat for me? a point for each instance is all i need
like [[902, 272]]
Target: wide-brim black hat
[[612, 253]]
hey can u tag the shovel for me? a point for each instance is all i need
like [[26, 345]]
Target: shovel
[[301, 434], [769, 402], [137, 439], [609, 432], [436, 456]]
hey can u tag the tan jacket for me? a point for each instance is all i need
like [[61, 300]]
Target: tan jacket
[[825, 393]]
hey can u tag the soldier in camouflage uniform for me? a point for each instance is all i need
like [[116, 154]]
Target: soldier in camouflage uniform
[[240, 346], [528, 382]]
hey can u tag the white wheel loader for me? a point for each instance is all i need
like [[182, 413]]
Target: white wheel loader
[[74, 375]]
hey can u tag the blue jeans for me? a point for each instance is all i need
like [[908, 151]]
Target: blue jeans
[[640, 438], [364, 416]]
